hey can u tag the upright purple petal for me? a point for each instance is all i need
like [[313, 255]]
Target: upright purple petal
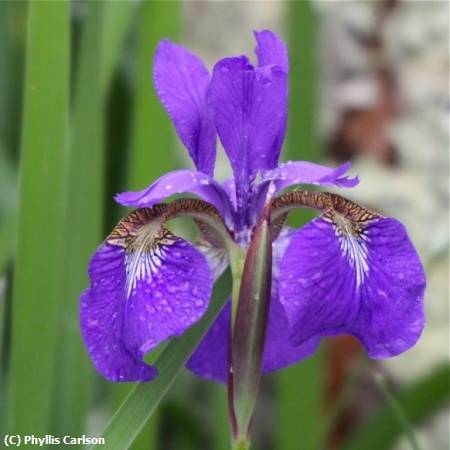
[[141, 293], [271, 50], [249, 107], [179, 182], [366, 281], [181, 81], [210, 359]]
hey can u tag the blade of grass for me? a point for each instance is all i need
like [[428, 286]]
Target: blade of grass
[[12, 45], [150, 132], [37, 280], [300, 388], [302, 134], [102, 37], [140, 404], [418, 402], [152, 151]]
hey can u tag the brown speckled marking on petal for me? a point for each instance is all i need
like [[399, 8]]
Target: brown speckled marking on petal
[[346, 215]]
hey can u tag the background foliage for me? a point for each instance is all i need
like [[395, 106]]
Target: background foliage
[[79, 121]]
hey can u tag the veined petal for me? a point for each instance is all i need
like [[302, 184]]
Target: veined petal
[[271, 50], [354, 277], [210, 359], [181, 81], [147, 285], [249, 108], [178, 182]]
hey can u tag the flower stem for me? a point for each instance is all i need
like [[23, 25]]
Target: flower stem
[[241, 443]]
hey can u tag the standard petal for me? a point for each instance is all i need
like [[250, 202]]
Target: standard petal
[[142, 292], [210, 359], [249, 107], [178, 182], [181, 81], [366, 281], [271, 50]]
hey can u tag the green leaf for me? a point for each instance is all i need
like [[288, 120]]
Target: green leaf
[[418, 402], [152, 149], [102, 38], [13, 17], [145, 397], [299, 411], [39, 265]]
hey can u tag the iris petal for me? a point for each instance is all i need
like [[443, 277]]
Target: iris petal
[[178, 182], [249, 108], [271, 50], [181, 81], [366, 281], [146, 285]]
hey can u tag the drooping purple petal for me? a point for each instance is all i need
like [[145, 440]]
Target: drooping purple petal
[[369, 284], [271, 50], [249, 108], [178, 182], [210, 359], [102, 317], [139, 297], [181, 81]]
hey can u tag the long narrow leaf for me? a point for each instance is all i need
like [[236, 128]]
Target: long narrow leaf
[[152, 150], [12, 23], [145, 397], [37, 282], [103, 35]]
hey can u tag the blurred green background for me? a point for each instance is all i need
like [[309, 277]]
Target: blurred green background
[[79, 122]]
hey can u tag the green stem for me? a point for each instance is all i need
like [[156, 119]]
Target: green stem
[[242, 443]]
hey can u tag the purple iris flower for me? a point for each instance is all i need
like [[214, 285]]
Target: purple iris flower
[[349, 271]]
